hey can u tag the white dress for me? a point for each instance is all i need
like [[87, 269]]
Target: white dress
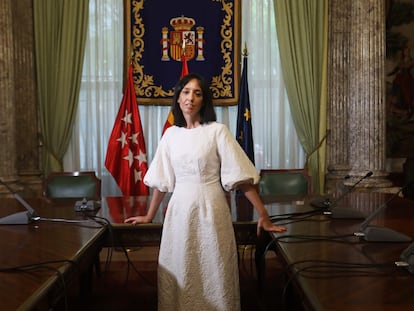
[[198, 264]]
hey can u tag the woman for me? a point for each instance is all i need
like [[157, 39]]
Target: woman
[[196, 159]]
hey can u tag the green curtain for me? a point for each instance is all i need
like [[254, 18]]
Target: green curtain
[[60, 28], [302, 35]]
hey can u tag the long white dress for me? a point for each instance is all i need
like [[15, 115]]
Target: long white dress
[[197, 264]]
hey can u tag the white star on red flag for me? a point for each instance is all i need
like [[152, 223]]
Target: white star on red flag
[[122, 139], [141, 157], [134, 138], [137, 175], [126, 158], [127, 117]]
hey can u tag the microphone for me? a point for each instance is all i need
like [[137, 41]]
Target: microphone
[[341, 212], [20, 218], [382, 234], [407, 256], [325, 202], [86, 206]]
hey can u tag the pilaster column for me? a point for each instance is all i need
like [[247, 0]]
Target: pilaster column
[[25, 101], [367, 86], [356, 97], [8, 172], [338, 93]]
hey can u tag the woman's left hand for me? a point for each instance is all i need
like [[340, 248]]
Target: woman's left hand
[[265, 224]]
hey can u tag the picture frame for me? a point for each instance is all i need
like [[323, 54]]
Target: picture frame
[[208, 32]]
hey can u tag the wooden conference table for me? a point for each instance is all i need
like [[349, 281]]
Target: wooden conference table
[[74, 247], [313, 243], [328, 267], [320, 271], [117, 209], [39, 261]]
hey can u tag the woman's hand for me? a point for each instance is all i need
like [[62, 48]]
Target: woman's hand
[[138, 220], [265, 224]]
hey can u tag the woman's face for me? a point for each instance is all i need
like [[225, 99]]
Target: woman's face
[[191, 98]]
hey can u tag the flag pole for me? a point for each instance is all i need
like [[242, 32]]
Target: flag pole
[[244, 137], [244, 133]]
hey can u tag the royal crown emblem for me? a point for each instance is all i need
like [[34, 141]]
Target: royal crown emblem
[[182, 40]]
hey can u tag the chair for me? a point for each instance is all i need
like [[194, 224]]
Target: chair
[[285, 183], [72, 185], [280, 185]]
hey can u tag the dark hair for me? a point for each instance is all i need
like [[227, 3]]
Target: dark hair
[[207, 112]]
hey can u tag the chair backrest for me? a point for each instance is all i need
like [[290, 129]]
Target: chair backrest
[[285, 182], [72, 185]]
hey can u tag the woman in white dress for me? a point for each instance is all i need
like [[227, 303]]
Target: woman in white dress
[[198, 160]]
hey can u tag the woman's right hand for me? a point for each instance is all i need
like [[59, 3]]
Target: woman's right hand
[[138, 220]]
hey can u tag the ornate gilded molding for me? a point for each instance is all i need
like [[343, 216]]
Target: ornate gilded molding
[[157, 88]]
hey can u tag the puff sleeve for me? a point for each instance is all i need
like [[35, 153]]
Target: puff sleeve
[[236, 167], [160, 173]]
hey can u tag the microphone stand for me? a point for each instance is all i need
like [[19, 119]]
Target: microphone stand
[[326, 203], [382, 234], [408, 256], [19, 218]]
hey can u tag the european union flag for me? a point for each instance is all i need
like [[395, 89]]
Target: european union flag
[[244, 119]]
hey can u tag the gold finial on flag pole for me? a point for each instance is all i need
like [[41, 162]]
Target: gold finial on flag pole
[[245, 50]]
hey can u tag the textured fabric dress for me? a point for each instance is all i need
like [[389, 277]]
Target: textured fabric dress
[[197, 263]]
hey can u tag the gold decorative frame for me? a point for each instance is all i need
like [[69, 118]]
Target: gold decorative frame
[[224, 85]]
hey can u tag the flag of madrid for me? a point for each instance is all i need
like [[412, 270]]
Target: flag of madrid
[[126, 157]]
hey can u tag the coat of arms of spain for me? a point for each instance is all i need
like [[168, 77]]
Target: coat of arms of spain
[[182, 40]]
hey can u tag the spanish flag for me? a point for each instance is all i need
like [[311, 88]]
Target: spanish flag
[[184, 72]]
